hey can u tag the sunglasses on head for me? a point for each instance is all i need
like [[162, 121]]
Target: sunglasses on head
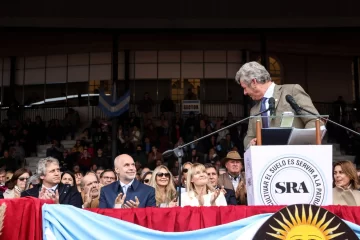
[[22, 179], [163, 174], [146, 180], [185, 170]]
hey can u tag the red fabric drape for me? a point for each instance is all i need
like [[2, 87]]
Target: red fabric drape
[[193, 218], [23, 219]]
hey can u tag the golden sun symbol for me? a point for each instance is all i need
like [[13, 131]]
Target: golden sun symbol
[[304, 228]]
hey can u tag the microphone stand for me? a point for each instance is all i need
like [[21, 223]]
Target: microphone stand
[[331, 121], [179, 152]]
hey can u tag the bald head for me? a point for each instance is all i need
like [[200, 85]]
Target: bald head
[[125, 168]]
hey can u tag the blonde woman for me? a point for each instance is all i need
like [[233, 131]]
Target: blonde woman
[[163, 182], [199, 191]]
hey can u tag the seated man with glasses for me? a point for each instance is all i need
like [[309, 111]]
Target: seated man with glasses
[[106, 177], [51, 187]]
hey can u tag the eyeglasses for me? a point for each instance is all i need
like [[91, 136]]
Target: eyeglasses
[[167, 175], [23, 179], [185, 170], [146, 180]]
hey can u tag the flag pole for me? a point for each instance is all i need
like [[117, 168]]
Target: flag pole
[[115, 66]]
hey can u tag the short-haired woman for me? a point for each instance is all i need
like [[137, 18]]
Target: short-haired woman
[[346, 184]]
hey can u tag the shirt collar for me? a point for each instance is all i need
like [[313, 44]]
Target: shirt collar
[[52, 188], [270, 91], [127, 185]]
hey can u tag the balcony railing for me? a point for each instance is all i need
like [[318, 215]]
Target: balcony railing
[[213, 110]]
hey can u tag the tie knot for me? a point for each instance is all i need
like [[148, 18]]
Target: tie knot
[[263, 100]]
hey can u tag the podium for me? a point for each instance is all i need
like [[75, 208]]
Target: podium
[[289, 174]]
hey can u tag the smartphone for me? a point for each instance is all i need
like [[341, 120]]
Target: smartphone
[[287, 119]]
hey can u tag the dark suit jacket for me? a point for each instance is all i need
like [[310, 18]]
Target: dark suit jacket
[[144, 193], [67, 194], [230, 196], [281, 105]]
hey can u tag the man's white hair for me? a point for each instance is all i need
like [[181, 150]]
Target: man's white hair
[[250, 71], [43, 163]]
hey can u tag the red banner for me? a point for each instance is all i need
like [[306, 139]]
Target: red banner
[[22, 217]]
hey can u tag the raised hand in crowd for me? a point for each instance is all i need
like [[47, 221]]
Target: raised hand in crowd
[[214, 196], [88, 197]]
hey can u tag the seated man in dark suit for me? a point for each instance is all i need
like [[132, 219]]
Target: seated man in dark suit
[[51, 187], [127, 192], [213, 180]]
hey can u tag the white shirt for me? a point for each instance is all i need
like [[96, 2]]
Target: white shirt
[[268, 94], [189, 199], [125, 187], [52, 188], [234, 182]]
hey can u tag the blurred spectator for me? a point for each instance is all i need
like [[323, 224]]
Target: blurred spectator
[[32, 181], [153, 157], [78, 147], [56, 150], [107, 176], [17, 183], [146, 178], [68, 178], [140, 156], [90, 191], [145, 107]]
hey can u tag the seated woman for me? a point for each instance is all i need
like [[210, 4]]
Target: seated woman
[[162, 181], [199, 191], [68, 177], [346, 184], [17, 183], [146, 178]]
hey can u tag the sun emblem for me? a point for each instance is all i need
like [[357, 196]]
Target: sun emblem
[[306, 227]]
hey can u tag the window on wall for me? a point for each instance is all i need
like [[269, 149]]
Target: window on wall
[[274, 69], [188, 89]]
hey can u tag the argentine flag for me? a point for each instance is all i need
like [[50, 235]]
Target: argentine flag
[[68, 222]]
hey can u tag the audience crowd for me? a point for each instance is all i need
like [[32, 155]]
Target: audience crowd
[[85, 176]]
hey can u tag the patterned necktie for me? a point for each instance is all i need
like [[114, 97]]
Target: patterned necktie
[[264, 119]]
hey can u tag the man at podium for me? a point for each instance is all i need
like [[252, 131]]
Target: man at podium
[[257, 83]]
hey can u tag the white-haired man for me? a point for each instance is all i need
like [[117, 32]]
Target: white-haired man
[[50, 187], [257, 84]]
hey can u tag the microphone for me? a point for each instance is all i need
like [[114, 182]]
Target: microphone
[[293, 104], [272, 106]]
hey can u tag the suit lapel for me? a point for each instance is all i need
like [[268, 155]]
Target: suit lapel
[[276, 95]]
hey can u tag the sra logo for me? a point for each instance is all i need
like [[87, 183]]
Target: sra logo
[[291, 187], [292, 180]]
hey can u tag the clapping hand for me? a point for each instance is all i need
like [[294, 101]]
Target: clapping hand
[[49, 195], [214, 196], [173, 203], [132, 204], [120, 199]]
